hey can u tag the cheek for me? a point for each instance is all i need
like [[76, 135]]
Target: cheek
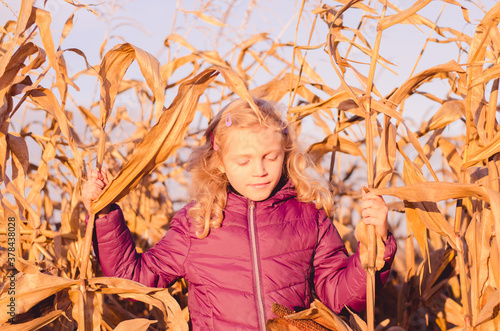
[[232, 168]]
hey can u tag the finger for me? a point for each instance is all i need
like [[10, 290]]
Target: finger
[[97, 183], [373, 204], [374, 214], [375, 201], [93, 174], [104, 173], [372, 196]]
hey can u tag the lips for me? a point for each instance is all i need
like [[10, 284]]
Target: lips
[[260, 185]]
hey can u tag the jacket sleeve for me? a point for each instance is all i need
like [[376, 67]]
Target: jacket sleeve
[[340, 280], [158, 267]]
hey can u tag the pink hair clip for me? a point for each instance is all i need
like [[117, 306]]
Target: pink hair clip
[[214, 145], [229, 121]]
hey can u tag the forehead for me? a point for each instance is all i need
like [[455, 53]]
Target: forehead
[[253, 139]]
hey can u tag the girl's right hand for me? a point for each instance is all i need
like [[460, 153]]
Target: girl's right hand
[[96, 182]]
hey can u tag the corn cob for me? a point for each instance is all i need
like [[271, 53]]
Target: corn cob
[[305, 325]]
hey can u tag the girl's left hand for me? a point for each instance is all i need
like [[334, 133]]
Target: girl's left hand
[[374, 211]]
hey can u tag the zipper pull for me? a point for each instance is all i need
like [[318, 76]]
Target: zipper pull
[[252, 205]]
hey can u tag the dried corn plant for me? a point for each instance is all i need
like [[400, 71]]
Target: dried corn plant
[[446, 188]]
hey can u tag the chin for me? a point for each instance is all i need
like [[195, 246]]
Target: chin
[[259, 197]]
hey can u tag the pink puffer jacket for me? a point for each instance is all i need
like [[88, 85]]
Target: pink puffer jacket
[[276, 250]]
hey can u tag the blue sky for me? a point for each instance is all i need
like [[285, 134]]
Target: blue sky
[[146, 24]]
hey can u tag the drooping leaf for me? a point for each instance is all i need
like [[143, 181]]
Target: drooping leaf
[[161, 141]]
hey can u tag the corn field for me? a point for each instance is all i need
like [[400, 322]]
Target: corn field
[[438, 170]]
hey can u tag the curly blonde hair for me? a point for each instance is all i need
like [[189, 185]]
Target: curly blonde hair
[[211, 184]]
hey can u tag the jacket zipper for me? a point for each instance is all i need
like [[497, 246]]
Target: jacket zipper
[[256, 269]]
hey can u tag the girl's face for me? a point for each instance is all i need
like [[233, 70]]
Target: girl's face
[[253, 161]]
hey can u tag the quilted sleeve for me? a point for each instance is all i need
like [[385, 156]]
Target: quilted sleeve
[[158, 267], [340, 280]]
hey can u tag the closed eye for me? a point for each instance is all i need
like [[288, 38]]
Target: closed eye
[[243, 163]]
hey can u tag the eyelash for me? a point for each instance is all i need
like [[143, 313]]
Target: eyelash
[[246, 162]]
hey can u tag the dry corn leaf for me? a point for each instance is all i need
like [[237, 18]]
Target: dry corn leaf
[[417, 228], [160, 142], [355, 4], [454, 312], [34, 324], [308, 70], [176, 318], [451, 155], [440, 71], [20, 161], [294, 323], [356, 322], [14, 66], [448, 113], [43, 20], [493, 264], [484, 152], [477, 46], [386, 154], [209, 56], [137, 324], [33, 288], [477, 52], [206, 18], [486, 76], [427, 211], [24, 21], [320, 314], [168, 69], [364, 50], [34, 220], [490, 310], [276, 89], [160, 298], [472, 234], [327, 314], [41, 56], [435, 271], [333, 143], [391, 20], [433, 192], [245, 49], [3, 148], [7, 213], [92, 304], [49, 152], [331, 102], [113, 68], [279, 324], [46, 100], [378, 106]]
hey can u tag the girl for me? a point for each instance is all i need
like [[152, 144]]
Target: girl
[[256, 232]]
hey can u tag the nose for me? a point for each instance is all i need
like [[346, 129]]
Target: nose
[[259, 169]]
